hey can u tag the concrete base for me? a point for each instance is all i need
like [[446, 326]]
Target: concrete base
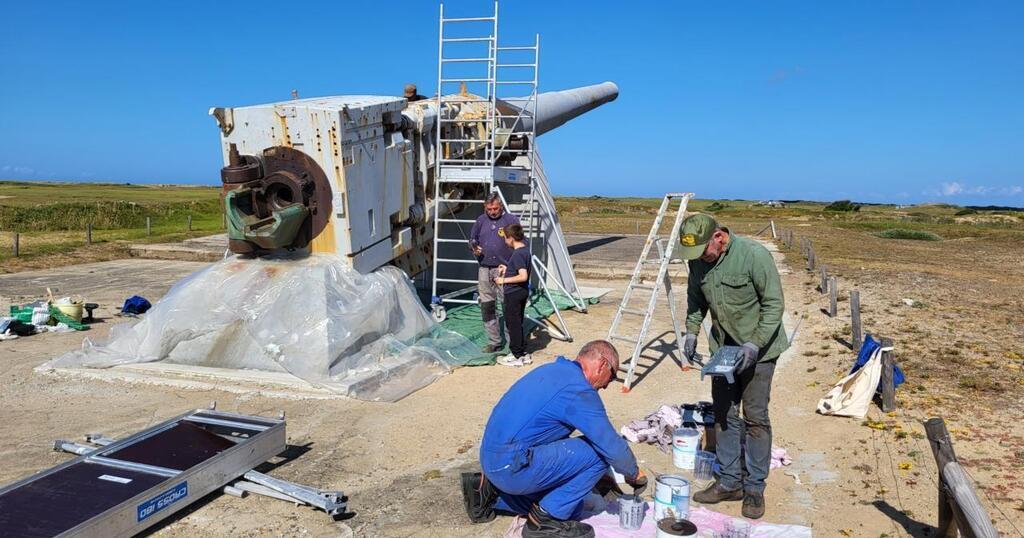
[[201, 249], [200, 378]]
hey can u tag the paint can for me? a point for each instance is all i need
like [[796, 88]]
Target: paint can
[[665, 487], [631, 512], [685, 444], [671, 528]]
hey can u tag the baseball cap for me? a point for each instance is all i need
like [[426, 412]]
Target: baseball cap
[[694, 235]]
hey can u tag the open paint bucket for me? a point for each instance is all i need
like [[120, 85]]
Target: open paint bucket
[[672, 528], [669, 489], [685, 444]]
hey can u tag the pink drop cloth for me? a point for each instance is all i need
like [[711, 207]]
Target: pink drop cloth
[[606, 525]]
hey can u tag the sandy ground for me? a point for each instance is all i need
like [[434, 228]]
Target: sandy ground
[[399, 463]]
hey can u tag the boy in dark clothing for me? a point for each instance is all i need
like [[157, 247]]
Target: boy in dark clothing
[[515, 283]]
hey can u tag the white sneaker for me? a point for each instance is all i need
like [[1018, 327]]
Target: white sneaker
[[509, 360], [527, 359]]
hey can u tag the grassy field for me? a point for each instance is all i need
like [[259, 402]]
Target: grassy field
[[51, 219]]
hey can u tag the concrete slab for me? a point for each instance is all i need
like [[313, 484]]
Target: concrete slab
[[203, 249]]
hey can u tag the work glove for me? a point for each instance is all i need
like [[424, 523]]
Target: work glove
[[638, 482], [689, 346], [748, 356]]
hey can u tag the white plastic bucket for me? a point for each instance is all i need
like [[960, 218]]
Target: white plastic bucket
[[685, 444], [664, 487]]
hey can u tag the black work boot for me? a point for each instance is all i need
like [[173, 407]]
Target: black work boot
[[715, 493], [540, 524], [753, 504], [479, 497]]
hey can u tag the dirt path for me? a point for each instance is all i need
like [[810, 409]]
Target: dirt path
[[400, 462]]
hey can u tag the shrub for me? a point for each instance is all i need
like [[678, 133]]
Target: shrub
[[965, 211], [901, 233], [717, 206], [842, 205]]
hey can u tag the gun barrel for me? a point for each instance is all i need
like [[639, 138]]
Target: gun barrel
[[556, 108]]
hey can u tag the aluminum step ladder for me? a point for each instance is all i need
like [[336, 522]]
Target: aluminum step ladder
[[666, 249]]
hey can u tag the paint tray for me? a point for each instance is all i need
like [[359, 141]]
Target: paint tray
[[722, 363]]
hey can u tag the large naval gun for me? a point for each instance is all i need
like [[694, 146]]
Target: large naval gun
[[354, 175]]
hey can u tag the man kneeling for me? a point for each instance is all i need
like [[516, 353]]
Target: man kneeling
[[530, 464]]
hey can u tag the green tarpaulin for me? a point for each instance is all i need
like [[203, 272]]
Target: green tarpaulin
[[466, 320]]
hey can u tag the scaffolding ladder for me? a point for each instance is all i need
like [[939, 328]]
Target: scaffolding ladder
[[666, 250], [464, 163], [472, 163]]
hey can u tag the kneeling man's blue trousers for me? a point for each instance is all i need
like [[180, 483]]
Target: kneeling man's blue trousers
[[558, 476]]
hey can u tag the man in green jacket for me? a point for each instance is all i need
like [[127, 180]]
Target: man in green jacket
[[736, 280]]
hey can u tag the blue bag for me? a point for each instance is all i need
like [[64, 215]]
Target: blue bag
[[866, 350], [135, 305]]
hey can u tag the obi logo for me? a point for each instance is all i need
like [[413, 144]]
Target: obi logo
[[162, 501], [688, 240]]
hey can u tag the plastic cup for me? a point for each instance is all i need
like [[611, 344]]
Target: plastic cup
[[631, 512], [704, 465], [736, 528]]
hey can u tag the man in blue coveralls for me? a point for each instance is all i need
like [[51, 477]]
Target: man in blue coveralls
[[531, 465]]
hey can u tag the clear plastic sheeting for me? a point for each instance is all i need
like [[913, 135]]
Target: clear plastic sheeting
[[363, 336]]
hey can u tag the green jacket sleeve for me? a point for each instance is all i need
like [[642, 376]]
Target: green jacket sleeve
[[696, 303], [766, 281]]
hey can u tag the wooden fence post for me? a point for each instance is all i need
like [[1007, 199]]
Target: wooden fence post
[[958, 502], [149, 226], [856, 339], [17, 240], [88, 234], [942, 450], [810, 257], [970, 516], [887, 381], [189, 223], [824, 279], [774, 235], [833, 297]]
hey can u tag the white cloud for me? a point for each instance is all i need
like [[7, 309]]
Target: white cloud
[[951, 189], [19, 170], [957, 188]]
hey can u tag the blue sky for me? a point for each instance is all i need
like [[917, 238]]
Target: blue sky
[[875, 101]]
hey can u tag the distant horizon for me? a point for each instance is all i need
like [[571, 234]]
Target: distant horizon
[[994, 207]]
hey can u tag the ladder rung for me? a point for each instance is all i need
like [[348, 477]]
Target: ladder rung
[[642, 287], [515, 65], [657, 262], [456, 281], [450, 260], [457, 60], [475, 181], [460, 221], [461, 120], [633, 312], [456, 200], [464, 140], [514, 82], [623, 338], [442, 240], [447, 100], [453, 80], [466, 39], [468, 19], [460, 301]]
